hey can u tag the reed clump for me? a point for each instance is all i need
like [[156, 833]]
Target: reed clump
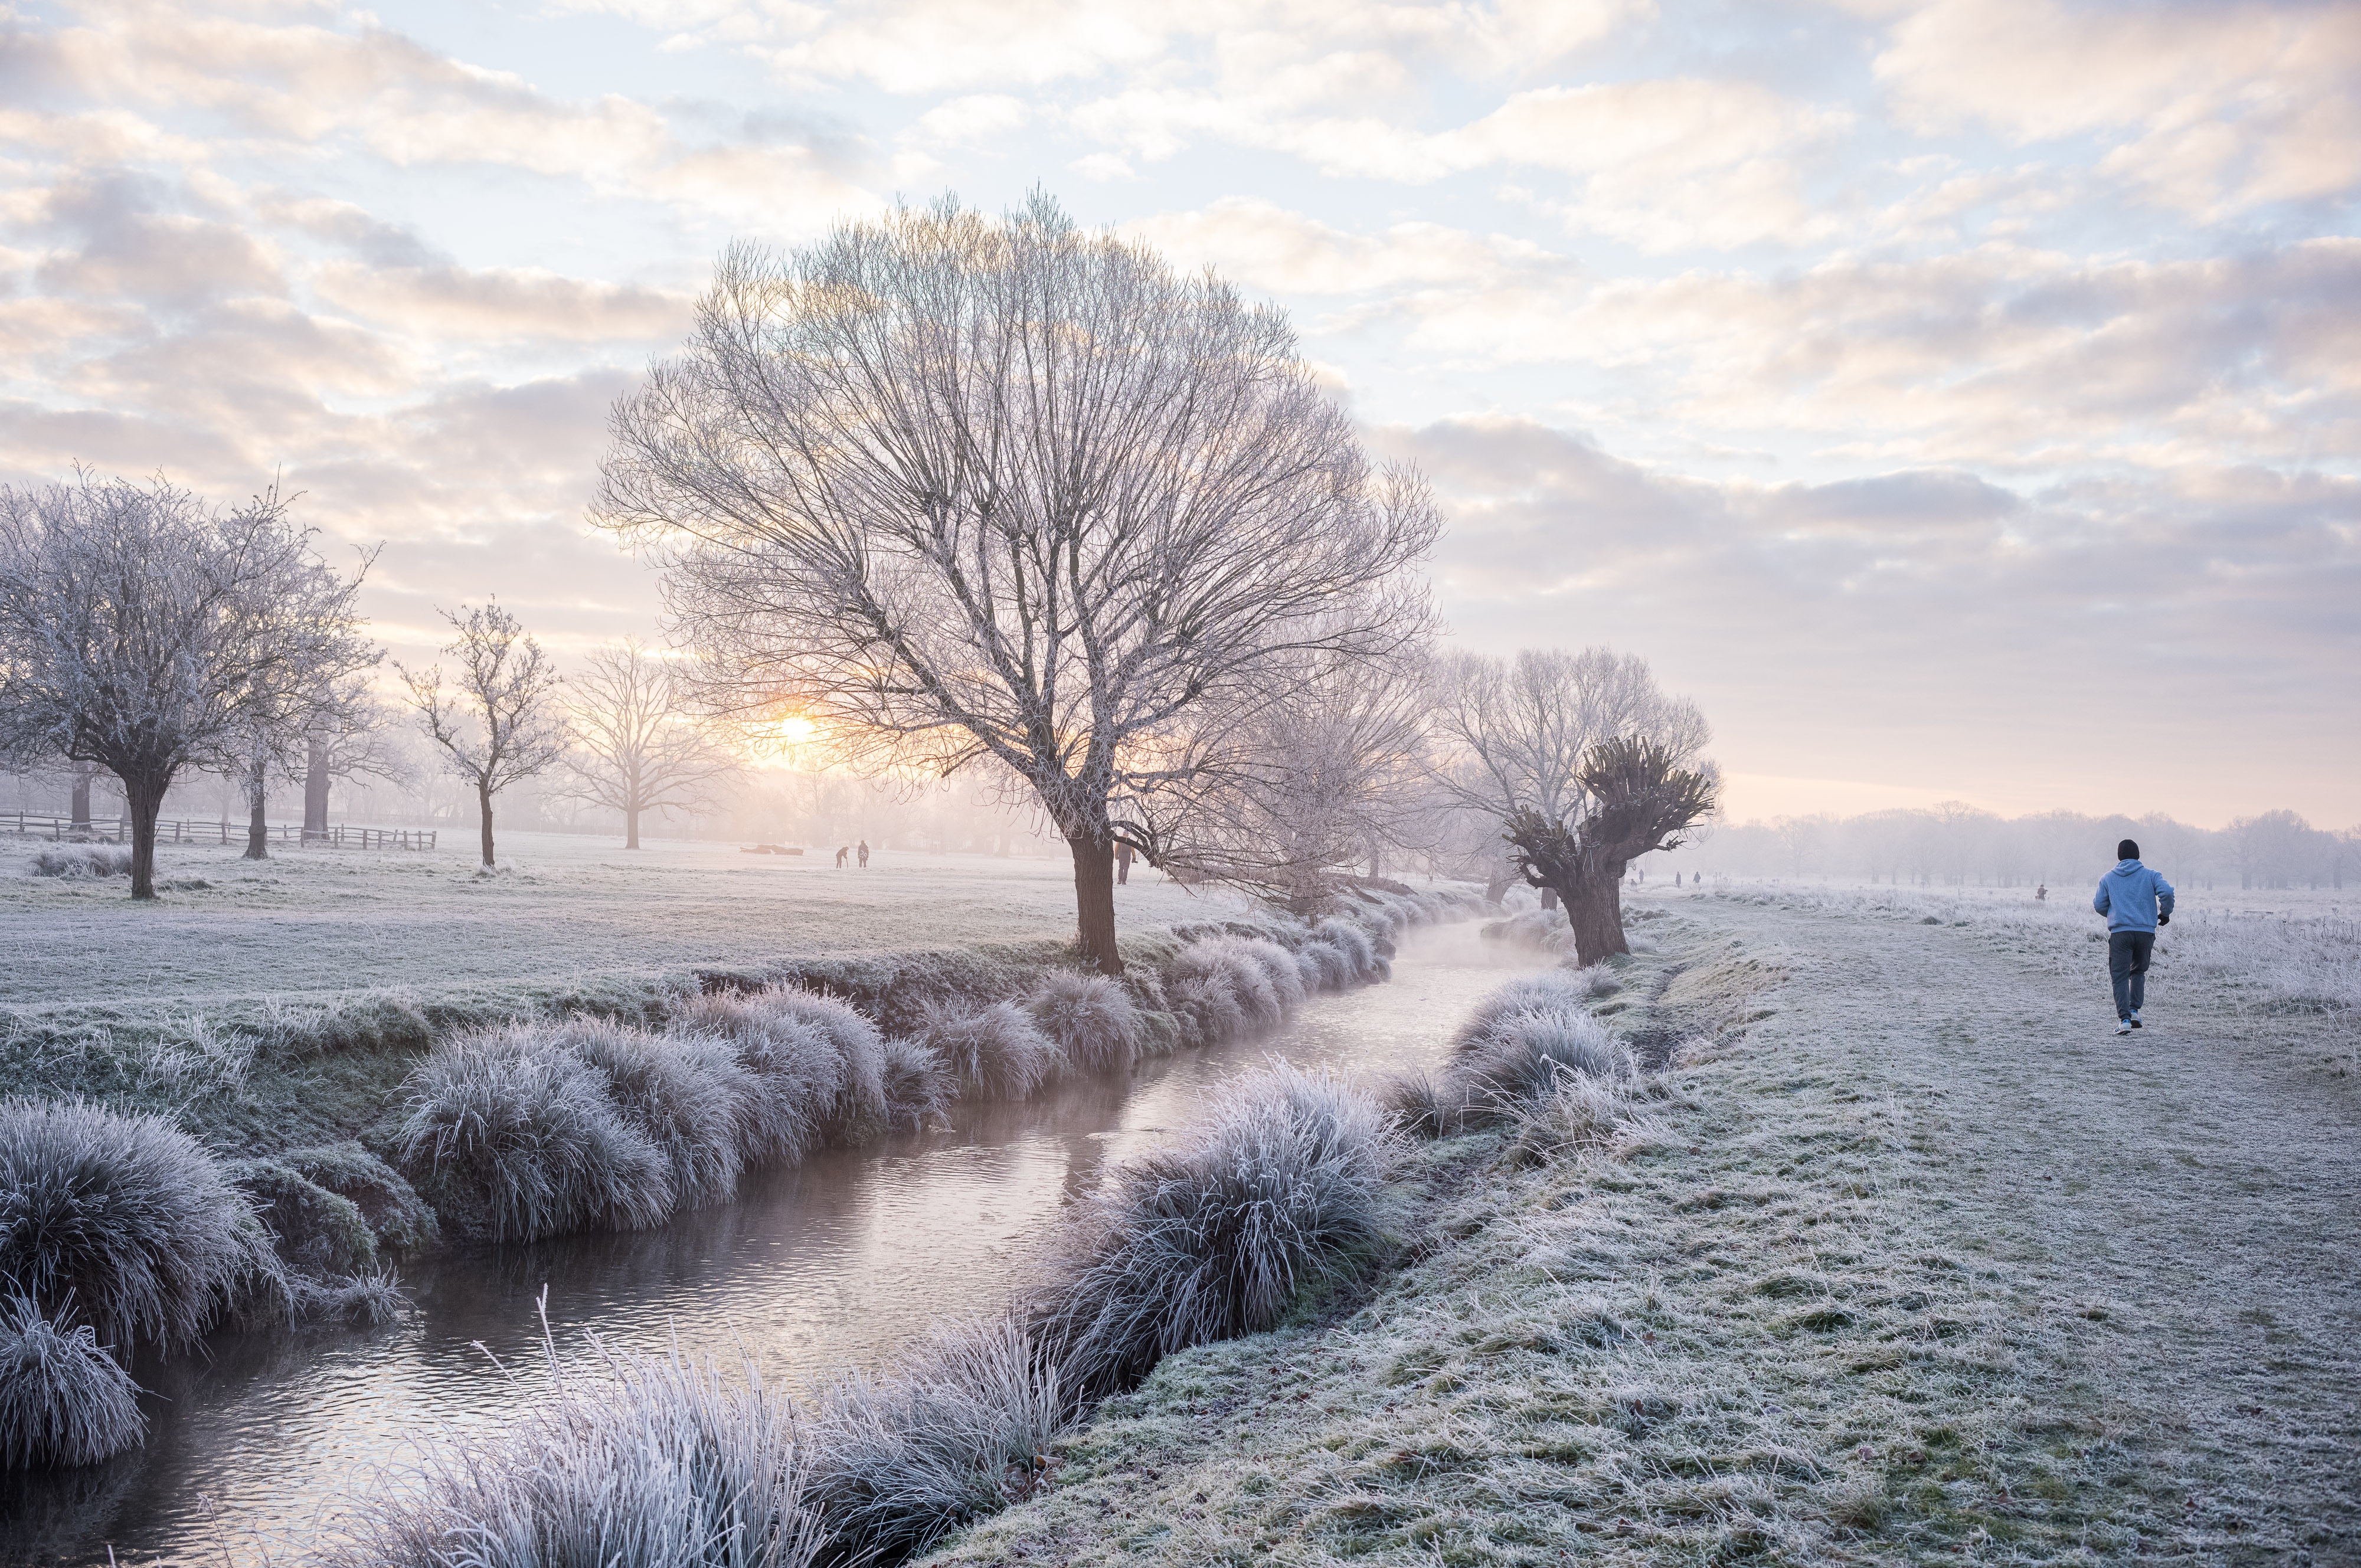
[[63, 1400]]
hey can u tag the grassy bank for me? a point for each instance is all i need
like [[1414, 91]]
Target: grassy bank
[[1921, 1265]]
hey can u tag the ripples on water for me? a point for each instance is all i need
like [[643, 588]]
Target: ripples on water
[[831, 1263]]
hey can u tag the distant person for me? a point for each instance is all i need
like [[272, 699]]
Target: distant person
[[2041, 894], [1676, 879], [864, 854], [843, 855], [1123, 864], [2135, 901]]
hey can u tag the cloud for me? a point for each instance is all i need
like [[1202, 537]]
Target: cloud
[[1265, 246], [503, 304]]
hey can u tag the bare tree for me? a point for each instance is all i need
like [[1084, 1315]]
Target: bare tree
[[139, 630], [637, 746], [1635, 800], [350, 737], [500, 724], [1328, 777], [953, 489], [1518, 738]]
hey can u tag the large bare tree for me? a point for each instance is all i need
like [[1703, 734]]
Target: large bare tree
[[1531, 741], [953, 488], [638, 748], [500, 723], [144, 631]]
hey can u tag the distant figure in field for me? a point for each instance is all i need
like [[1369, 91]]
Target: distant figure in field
[[1676, 879], [841, 856], [864, 854], [2135, 901], [1123, 863], [2041, 894]]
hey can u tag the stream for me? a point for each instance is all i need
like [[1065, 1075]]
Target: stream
[[254, 1448]]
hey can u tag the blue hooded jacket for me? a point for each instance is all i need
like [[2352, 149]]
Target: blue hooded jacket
[[2131, 897]]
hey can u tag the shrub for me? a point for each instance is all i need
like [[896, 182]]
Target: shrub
[[123, 1221], [398, 1219], [1281, 1187], [820, 1058], [1529, 1056], [318, 1230], [512, 1139], [997, 1053], [1211, 1007], [1279, 967], [900, 1461], [1241, 974], [1325, 966], [917, 1083], [1091, 1017], [686, 1092], [1355, 944], [76, 864], [657, 1464], [63, 1400], [1559, 990]]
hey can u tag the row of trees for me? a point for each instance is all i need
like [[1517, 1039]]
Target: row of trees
[[1956, 844]]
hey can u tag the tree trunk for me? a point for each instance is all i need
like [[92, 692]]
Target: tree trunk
[[1549, 898], [630, 827], [484, 800], [1596, 913], [257, 823], [1095, 901], [315, 790], [80, 808], [144, 799]]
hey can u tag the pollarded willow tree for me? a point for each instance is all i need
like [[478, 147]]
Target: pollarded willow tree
[[1585, 762], [962, 491]]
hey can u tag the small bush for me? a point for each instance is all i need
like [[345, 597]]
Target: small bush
[[1213, 1241], [398, 1219], [657, 1464], [1325, 966], [900, 1461], [76, 864], [820, 1058], [918, 1086], [998, 1053], [1528, 1057], [63, 1400], [1559, 990], [1211, 1008], [123, 1223], [686, 1092], [1355, 944], [1279, 967], [512, 1139], [1241, 974], [1091, 1019]]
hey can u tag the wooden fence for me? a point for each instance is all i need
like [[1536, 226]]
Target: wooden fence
[[117, 831]]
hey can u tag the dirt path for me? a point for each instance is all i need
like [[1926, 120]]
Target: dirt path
[[2195, 1183]]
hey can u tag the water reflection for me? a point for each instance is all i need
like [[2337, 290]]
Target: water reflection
[[833, 1263]]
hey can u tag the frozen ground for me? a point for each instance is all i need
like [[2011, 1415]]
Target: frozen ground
[[1929, 1267], [311, 923]]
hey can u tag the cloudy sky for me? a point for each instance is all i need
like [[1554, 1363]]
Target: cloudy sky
[[1961, 400]]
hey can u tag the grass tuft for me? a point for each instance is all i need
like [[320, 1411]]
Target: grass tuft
[[685, 1092], [1215, 1239], [77, 864], [918, 1086], [125, 1221], [63, 1400], [1091, 1017], [512, 1139], [998, 1053]]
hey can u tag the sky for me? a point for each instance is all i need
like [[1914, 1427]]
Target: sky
[[1960, 400]]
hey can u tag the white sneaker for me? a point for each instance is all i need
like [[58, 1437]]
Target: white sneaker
[[2123, 1025]]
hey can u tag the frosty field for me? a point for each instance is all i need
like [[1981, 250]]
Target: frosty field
[[311, 924]]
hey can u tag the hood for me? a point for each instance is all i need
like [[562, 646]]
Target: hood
[[2125, 868]]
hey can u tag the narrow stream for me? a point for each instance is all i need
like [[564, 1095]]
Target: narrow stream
[[833, 1263]]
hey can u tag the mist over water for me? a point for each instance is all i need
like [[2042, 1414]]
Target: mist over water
[[831, 1263]]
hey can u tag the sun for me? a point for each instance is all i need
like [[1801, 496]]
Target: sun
[[796, 731]]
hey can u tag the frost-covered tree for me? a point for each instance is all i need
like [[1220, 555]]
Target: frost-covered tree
[[1580, 757], [637, 746], [953, 489], [143, 632], [500, 723]]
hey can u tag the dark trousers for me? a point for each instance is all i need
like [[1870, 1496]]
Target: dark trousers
[[2127, 954]]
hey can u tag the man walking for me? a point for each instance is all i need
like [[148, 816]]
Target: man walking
[[2135, 901]]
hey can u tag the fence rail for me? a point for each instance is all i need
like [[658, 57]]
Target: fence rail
[[117, 831]]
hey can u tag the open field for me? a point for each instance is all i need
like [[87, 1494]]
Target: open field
[[1926, 1265]]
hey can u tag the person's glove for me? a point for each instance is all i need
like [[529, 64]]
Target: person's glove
[[2164, 919]]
